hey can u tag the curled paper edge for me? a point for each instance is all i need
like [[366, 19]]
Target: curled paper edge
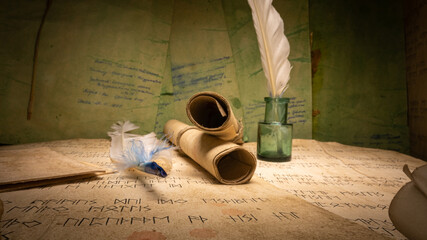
[[212, 113], [228, 162]]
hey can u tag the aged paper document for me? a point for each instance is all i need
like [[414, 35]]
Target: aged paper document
[[187, 204], [35, 166], [353, 182], [228, 162]]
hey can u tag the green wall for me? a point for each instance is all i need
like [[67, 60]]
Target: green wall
[[359, 87], [104, 61]]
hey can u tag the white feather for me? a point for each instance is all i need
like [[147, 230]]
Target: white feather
[[119, 137], [273, 45], [135, 151]]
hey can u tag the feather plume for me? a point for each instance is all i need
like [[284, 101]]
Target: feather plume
[[140, 152], [119, 137], [273, 45]]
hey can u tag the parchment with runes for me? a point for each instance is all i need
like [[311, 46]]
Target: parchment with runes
[[187, 204], [354, 182]]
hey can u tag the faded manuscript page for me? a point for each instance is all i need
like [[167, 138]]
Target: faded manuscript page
[[188, 204], [353, 182], [20, 168]]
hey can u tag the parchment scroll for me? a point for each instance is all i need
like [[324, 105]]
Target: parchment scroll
[[212, 113], [228, 162]]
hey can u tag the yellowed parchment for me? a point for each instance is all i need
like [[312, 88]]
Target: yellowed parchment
[[212, 113], [20, 168], [188, 204], [353, 182], [228, 162]]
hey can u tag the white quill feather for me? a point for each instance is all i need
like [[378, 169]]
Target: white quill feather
[[119, 137], [273, 45], [136, 151]]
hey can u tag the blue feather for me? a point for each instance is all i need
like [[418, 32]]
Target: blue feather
[[153, 168], [137, 156], [136, 151]]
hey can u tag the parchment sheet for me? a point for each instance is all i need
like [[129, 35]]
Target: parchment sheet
[[22, 168], [188, 204], [354, 182]]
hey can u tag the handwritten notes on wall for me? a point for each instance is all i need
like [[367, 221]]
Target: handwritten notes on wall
[[121, 206], [100, 62], [110, 80]]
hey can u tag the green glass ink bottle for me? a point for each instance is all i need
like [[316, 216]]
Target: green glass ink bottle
[[274, 141]]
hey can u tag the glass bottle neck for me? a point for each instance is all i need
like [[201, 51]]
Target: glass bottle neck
[[276, 110]]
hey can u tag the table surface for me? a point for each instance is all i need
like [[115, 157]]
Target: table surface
[[328, 190]]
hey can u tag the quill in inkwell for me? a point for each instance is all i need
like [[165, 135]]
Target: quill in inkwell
[[142, 153], [274, 141]]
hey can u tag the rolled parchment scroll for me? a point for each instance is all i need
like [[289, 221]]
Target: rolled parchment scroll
[[212, 113], [226, 161]]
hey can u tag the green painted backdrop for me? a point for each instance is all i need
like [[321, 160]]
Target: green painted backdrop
[[359, 87], [104, 61]]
